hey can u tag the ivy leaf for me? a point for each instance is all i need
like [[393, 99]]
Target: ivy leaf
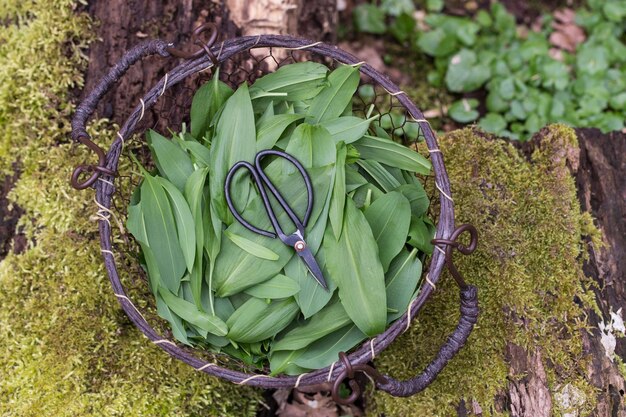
[[493, 123], [437, 42], [464, 111], [397, 7], [369, 18], [465, 73]]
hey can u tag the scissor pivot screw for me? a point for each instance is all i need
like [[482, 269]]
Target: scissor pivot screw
[[299, 246]]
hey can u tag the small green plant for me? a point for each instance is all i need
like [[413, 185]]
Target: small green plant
[[526, 87]]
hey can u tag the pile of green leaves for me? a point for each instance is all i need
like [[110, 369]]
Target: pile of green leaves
[[527, 88], [227, 289]]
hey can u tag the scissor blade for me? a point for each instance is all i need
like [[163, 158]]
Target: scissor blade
[[313, 267]]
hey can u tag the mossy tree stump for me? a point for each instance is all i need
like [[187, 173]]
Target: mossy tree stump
[[546, 275]]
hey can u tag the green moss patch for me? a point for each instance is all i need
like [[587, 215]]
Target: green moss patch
[[527, 268], [66, 347]]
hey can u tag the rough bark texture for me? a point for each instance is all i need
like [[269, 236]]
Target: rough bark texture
[[598, 166], [602, 191], [123, 24]]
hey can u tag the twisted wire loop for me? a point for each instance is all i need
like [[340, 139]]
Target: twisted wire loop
[[205, 46], [348, 373], [453, 243], [96, 170]]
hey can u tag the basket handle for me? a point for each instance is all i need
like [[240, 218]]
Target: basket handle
[[88, 106], [469, 316]]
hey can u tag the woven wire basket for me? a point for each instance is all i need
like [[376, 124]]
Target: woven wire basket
[[243, 60]]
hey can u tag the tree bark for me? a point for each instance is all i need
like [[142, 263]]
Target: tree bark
[[122, 24]]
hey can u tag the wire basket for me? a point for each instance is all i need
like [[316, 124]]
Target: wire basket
[[243, 60]]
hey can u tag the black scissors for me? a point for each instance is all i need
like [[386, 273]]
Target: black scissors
[[296, 239]]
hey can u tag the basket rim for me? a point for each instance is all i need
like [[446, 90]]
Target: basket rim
[[370, 348]]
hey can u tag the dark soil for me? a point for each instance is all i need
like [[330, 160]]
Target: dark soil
[[9, 216]]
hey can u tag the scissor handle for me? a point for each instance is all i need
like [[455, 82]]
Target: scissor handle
[[307, 182], [262, 181], [259, 183]]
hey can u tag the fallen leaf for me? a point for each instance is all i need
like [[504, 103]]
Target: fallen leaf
[[567, 35]]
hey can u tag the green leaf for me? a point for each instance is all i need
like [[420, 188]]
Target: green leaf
[[171, 160], [161, 233], [312, 146], [176, 324], [403, 27], [465, 73], [389, 218], [300, 81], [420, 235], [136, 224], [185, 225], [283, 362], [338, 200], [237, 121], [193, 194], [347, 129], [257, 320], [379, 174], [188, 312], [280, 286], [464, 110], [397, 7], [333, 99], [370, 19], [206, 102], [325, 351], [417, 197], [401, 279], [270, 130], [329, 319], [251, 247], [592, 59], [434, 5], [353, 179], [353, 263], [493, 123], [393, 154], [199, 153], [437, 43]]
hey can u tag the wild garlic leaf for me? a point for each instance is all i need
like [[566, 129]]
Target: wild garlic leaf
[[353, 179], [377, 172], [420, 234], [347, 129], [193, 194], [282, 362], [353, 263], [206, 102], [190, 313], [256, 320], [401, 280], [136, 224], [252, 247], [269, 131], [200, 154], [176, 323], [236, 121], [326, 350], [393, 154], [365, 195], [185, 225], [337, 203], [161, 233], [281, 286], [312, 146], [389, 217], [329, 319], [333, 99], [418, 199], [300, 81], [171, 160]]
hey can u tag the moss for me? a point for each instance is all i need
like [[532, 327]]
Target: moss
[[66, 347], [527, 268]]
